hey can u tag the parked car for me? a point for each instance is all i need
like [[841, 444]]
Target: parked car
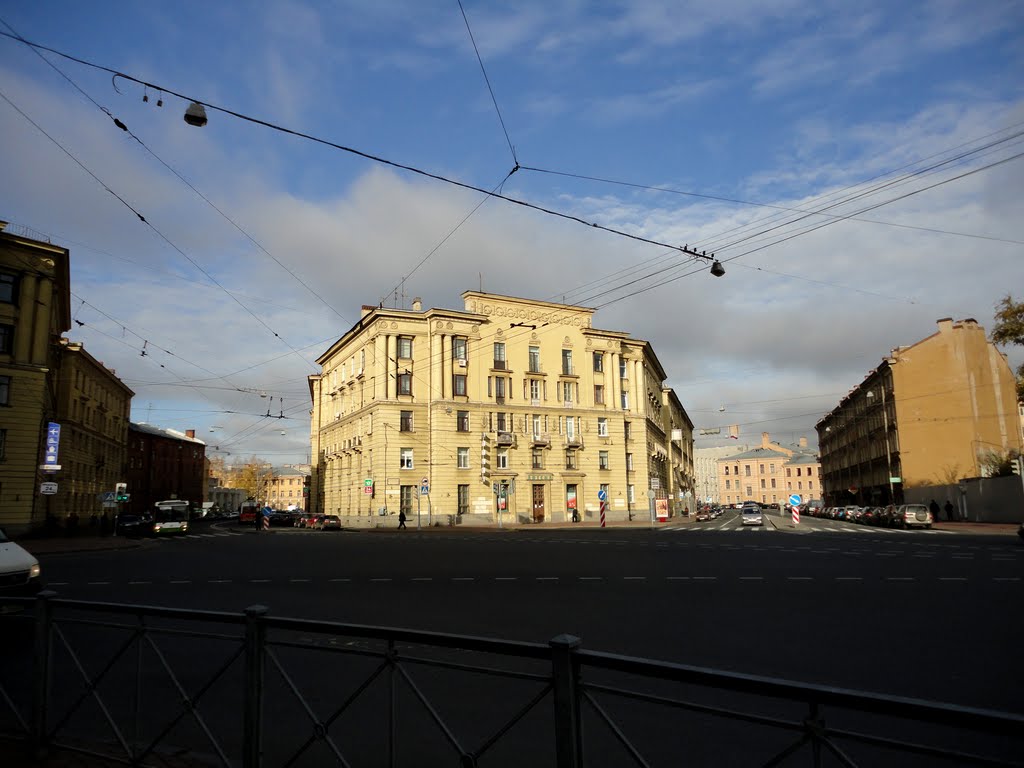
[[913, 516], [703, 516], [19, 570], [133, 525]]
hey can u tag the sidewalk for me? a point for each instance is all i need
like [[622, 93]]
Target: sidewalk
[[81, 542]]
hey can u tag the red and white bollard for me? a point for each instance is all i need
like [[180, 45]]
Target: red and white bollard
[[796, 515], [604, 506]]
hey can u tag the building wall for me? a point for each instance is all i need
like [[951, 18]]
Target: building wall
[[550, 407], [955, 400], [706, 472], [926, 417], [769, 474], [34, 309], [93, 409], [163, 464]]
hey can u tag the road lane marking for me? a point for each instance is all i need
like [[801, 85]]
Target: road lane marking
[[97, 583], [181, 581], [298, 581], [678, 578], [504, 578], [952, 578], [634, 578], [900, 578], [422, 578], [1006, 578], [590, 578], [58, 583], [463, 578], [704, 578], [259, 581], [220, 581], [546, 578], [341, 579], [849, 578], [140, 582], [751, 578], [381, 579], [799, 578]]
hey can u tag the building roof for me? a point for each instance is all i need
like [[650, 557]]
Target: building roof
[[172, 434], [804, 458], [757, 453]]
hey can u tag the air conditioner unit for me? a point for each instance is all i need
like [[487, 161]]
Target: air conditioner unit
[[462, 363]]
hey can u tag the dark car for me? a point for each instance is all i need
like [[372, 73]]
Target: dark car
[[281, 517], [703, 516], [133, 525]]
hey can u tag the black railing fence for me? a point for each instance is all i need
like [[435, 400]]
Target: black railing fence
[[145, 685]]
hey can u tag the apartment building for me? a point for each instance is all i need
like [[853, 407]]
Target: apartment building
[[286, 488], [769, 474], [507, 409], [93, 411], [34, 311], [164, 464], [927, 416], [705, 466]]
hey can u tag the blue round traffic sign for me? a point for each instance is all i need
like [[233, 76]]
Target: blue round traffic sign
[[602, 495], [794, 500]]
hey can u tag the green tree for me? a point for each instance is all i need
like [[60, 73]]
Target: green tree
[[1009, 329], [254, 476]]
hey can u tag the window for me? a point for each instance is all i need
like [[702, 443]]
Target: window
[[535, 391], [499, 355], [798, 471], [628, 430], [3, 444], [746, 470], [599, 394], [570, 428], [810, 485], [536, 427], [761, 469], [762, 483], [534, 359], [800, 485], [750, 492], [727, 486], [771, 468], [625, 401], [570, 459], [405, 458], [462, 421], [458, 348], [405, 347], [789, 472], [602, 460], [463, 458], [5, 390], [405, 421], [567, 362], [599, 362], [504, 422], [727, 471], [405, 505], [631, 494], [629, 462], [503, 458], [499, 388], [567, 392], [8, 288], [773, 482], [6, 339], [537, 458], [602, 427], [459, 384], [463, 499], [405, 383], [622, 369]]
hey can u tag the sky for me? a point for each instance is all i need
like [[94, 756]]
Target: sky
[[855, 167]]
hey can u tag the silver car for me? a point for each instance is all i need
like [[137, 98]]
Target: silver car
[[19, 570], [751, 514]]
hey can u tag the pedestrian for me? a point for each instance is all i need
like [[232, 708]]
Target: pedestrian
[[258, 521], [401, 519], [686, 511], [949, 510], [934, 509]]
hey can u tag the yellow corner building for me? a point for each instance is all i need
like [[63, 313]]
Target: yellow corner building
[[509, 410]]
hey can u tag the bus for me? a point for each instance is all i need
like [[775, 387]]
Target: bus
[[248, 511], [170, 516]]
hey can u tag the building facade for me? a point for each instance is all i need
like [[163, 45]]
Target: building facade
[[769, 474], [164, 464], [705, 467], [927, 416], [93, 410], [287, 488], [508, 409], [34, 313]]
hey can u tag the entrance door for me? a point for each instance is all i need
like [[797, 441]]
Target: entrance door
[[538, 503]]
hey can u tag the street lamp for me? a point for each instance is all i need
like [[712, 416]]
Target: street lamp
[[885, 423]]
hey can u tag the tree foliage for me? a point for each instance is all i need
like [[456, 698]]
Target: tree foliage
[[997, 464], [1009, 329], [253, 476]]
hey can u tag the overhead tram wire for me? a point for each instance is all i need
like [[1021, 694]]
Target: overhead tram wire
[[819, 226], [366, 155], [166, 165], [490, 90], [149, 224]]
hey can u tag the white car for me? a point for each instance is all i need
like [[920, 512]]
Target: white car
[[19, 570], [752, 515]]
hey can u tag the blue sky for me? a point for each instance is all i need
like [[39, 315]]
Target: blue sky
[[790, 104]]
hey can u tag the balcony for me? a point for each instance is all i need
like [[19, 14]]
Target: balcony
[[506, 439], [541, 439], [574, 442]]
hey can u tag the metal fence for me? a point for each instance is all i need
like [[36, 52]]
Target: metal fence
[[144, 685]]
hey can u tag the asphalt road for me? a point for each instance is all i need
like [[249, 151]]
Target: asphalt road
[[923, 614]]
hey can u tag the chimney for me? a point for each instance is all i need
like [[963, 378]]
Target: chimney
[[190, 433], [765, 440], [945, 324], [803, 442], [367, 309], [417, 304]]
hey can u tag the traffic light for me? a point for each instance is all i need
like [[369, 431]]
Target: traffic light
[[121, 492], [1018, 465]]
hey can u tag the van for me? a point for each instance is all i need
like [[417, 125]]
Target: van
[[19, 570]]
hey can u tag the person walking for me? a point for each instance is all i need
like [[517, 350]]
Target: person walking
[[401, 519], [934, 509], [949, 510]]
